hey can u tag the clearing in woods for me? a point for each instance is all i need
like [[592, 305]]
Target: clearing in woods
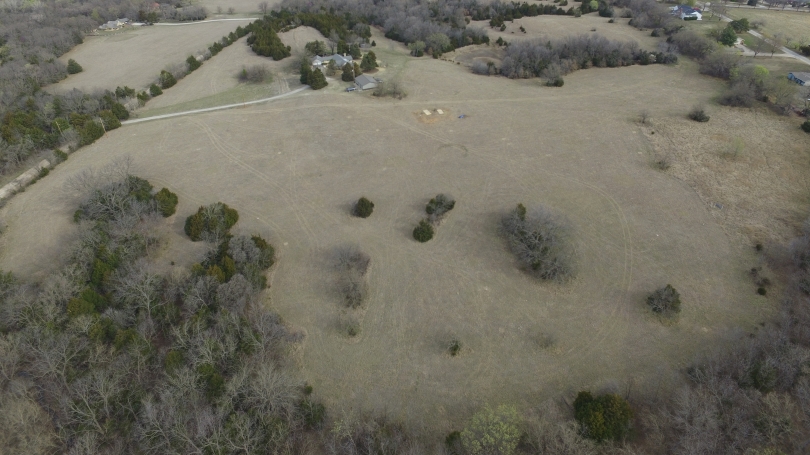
[[293, 167], [135, 57]]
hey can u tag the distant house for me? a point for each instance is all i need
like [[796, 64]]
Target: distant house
[[114, 25], [686, 12], [366, 82], [340, 60], [799, 78]]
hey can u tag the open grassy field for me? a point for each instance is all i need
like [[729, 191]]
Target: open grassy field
[[550, 26], [134, 57], [791, 24], [239, 6], [216, 83], [292, 168]]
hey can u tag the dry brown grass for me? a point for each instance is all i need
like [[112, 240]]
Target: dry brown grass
[[552, 26], [136, 56], [292, 168]]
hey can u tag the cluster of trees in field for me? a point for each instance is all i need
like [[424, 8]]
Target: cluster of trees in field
[[555, 58], [111, 355], [264, 39], [747, 83], [442, 27]]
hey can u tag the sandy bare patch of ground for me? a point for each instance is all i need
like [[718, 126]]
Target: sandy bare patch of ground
[[552, 26], [135, 57], [293, 167]]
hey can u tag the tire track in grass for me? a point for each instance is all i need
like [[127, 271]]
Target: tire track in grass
[[221, 148], [604, 330]]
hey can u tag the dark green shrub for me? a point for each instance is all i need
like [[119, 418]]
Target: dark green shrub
[[423, 232], [211, 380], [166, 201], [556, 82], [60, 156], [363, 208], [109, 120], [665, 300], [454, 347], [120, 111], [806, 126], [606, 417], [439, 205], [698, 114], [215, 219], [762, 291], [154, 90], [90, 132], [192, 63], [166, 79], [173, 360], [312, 412], [73, 67]]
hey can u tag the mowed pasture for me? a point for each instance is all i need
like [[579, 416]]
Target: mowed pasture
[[216, 83], [791, 24], [553, 26], [135, 57], [293, 167]]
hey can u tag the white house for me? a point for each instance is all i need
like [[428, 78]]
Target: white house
[[340, 60]]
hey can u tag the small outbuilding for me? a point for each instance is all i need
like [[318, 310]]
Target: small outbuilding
[[799, 78], [366, 82]]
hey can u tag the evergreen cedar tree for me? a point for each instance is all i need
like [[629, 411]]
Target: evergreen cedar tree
[[348, 75], [73, 67], [312, 77], [369, 61], [606, 417], [423, 232], [363, 208], [728, 37]]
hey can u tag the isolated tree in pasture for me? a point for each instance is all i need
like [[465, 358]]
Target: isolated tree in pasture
[[665, 301], [492, 432], [539, 240], [351, 265], [423, 232], [437, 207], [363, 208], [263, 7]]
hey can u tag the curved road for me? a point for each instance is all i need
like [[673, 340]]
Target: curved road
[[784, 49], [169, 24], [211, 109]]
